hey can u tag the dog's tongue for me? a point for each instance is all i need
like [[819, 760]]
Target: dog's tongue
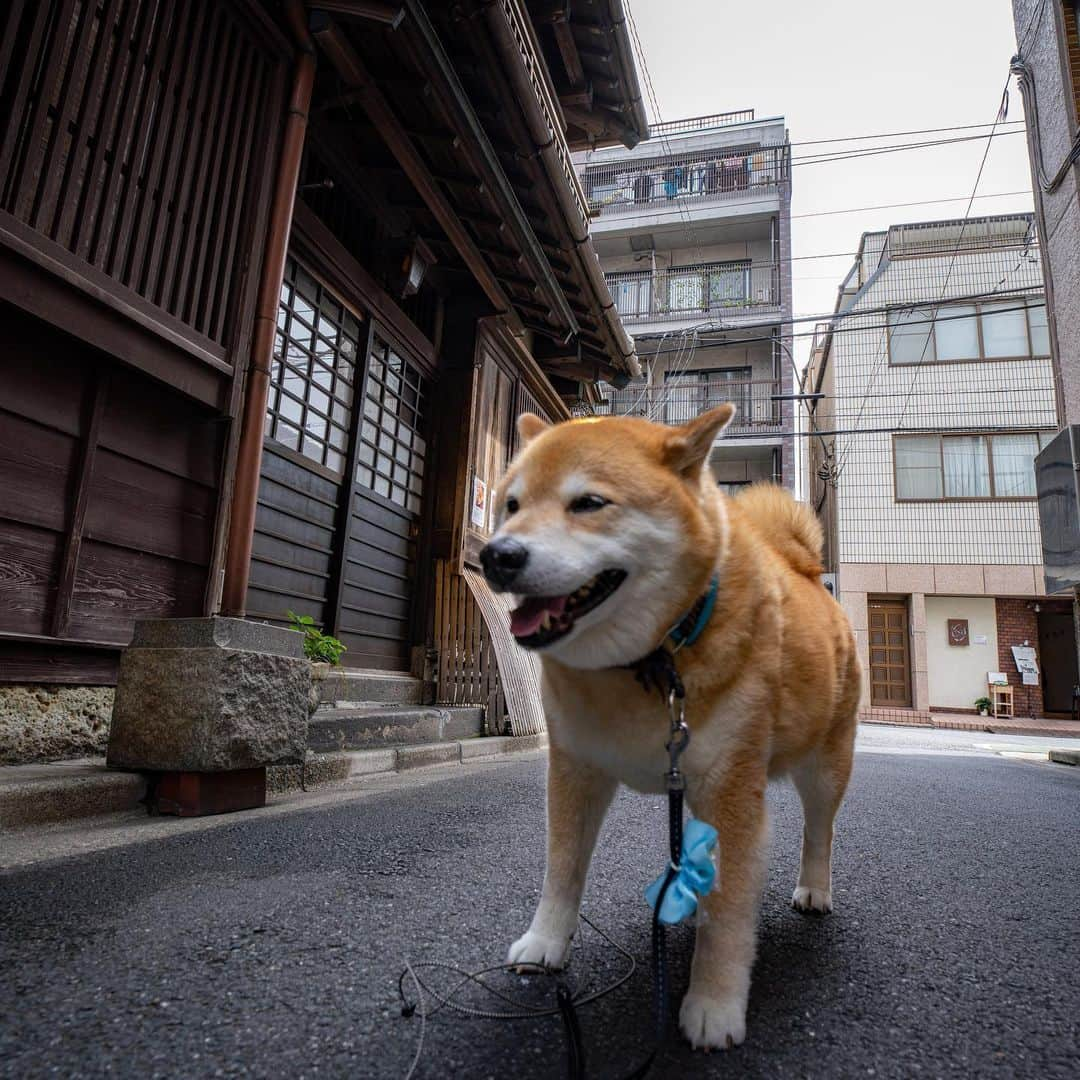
[[526, 619]]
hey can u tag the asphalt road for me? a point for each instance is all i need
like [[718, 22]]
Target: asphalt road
[[269, 945]]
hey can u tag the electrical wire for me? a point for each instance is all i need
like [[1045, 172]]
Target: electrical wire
[[851, 155], [895, 134], [918, 202]]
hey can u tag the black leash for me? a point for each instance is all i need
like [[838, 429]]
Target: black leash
[[655, 671]]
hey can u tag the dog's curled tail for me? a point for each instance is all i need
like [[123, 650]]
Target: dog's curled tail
[[790, 527]]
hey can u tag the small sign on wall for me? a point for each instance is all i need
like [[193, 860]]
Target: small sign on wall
[[958, 632], [478, 514]]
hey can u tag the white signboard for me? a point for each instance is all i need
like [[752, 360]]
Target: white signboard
[[1024, 655]]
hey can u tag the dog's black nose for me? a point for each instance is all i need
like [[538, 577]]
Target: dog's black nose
[[502, 560]]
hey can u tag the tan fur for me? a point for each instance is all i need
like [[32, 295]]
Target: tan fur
[[772, 684]]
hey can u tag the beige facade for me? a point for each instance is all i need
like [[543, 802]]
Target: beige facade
[[939, 391]]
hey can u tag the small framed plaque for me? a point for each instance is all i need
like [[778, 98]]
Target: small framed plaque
[[958, 632]]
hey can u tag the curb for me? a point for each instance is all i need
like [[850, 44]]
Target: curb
[[44, 795], [1065, 757], [984, 727]]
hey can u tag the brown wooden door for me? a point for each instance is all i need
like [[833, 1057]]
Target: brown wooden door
[[1057, 659], [379, 571], [890, 666]]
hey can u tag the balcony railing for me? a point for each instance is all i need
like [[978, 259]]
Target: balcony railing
[[712, 289], [756, 411], [700, 123], [727, 173]]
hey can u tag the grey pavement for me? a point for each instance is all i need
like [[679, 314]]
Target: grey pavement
[[270, 943]]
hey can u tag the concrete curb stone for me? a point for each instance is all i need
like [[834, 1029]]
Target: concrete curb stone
[[45, 794]]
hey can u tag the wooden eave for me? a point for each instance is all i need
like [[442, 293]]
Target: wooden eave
[[424, 117], [586, 44]]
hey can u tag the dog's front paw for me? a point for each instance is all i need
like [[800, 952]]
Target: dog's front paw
[[809, 900], [711, 1023], [539, 951]]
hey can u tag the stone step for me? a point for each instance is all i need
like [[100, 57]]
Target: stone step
[[353, 684], [365, 727]]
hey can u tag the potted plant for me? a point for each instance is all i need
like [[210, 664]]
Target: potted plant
[[983, 704]]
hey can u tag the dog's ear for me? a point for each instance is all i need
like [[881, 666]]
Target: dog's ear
[[688, 446], [529, 425]]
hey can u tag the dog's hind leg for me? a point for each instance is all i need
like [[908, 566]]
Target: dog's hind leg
[[821, 780], [577, 800]]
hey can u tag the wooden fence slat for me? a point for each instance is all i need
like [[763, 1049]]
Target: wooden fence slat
[[164, 142], [102, 64], [123, 66], [75, 74], [209, 214]]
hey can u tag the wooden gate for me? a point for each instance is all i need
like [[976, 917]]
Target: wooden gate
[[890, 661]]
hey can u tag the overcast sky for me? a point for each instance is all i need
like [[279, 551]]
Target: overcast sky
[[844, 68]]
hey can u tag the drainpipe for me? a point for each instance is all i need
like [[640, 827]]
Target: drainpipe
[[257, 385], [553, 165]]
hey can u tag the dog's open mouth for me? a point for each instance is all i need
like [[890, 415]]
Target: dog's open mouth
[[541, 620]]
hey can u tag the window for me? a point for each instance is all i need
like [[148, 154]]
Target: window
[[631, 292], [313, 370], [694, 392], [958, 467], [390, 457], [953, 333]]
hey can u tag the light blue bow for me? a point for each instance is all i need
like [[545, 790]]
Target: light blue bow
[[697, 873]]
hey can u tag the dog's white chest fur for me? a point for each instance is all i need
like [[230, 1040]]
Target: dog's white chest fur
[[625, 733]]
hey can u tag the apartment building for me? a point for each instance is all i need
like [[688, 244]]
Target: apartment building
[[693, 230], [938, 393]]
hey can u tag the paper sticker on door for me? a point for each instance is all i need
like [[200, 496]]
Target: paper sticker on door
[[478, 515]]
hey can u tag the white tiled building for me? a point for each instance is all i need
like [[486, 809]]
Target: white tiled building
[[692, 228], [939, 392]]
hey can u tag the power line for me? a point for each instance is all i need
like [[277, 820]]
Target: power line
[[851, 155], [894, 134], [708, 327], [918, 202]]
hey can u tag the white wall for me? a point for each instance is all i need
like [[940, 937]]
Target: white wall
[[957, 673]]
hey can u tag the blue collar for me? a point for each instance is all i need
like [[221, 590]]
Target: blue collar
[[692, 625]]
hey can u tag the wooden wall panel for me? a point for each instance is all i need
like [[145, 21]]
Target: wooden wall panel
[[107, 502], [294, 536], [29, 565]]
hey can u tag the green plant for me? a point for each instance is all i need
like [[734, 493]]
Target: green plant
[[983, 703], [317, 645]]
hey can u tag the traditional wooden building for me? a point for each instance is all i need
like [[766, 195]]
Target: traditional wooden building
[[275, 279]]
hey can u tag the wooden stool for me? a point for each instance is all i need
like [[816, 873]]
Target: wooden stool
[[1002, 698]]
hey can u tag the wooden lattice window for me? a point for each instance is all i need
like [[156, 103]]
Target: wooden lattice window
[[390, 459], [132, 135], [314, 370]]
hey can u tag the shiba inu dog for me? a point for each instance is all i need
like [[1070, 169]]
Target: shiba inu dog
[[609, 530]]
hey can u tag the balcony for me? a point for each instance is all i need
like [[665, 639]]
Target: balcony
[[696, 293], [643, 185], [701, 123], [677, 401]]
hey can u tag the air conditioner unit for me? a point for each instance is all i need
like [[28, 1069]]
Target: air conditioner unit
[[1056, 469]]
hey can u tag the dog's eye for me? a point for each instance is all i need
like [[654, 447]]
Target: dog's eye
[[586, 504], [511, 505]]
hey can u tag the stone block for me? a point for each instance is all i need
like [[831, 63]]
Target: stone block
[[905, 578], [959, 580], [854, 605], [862, 577], [43, 723], [1010, 580], [210, 695]]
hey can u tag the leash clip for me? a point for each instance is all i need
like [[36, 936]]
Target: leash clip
[[678, 740]]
